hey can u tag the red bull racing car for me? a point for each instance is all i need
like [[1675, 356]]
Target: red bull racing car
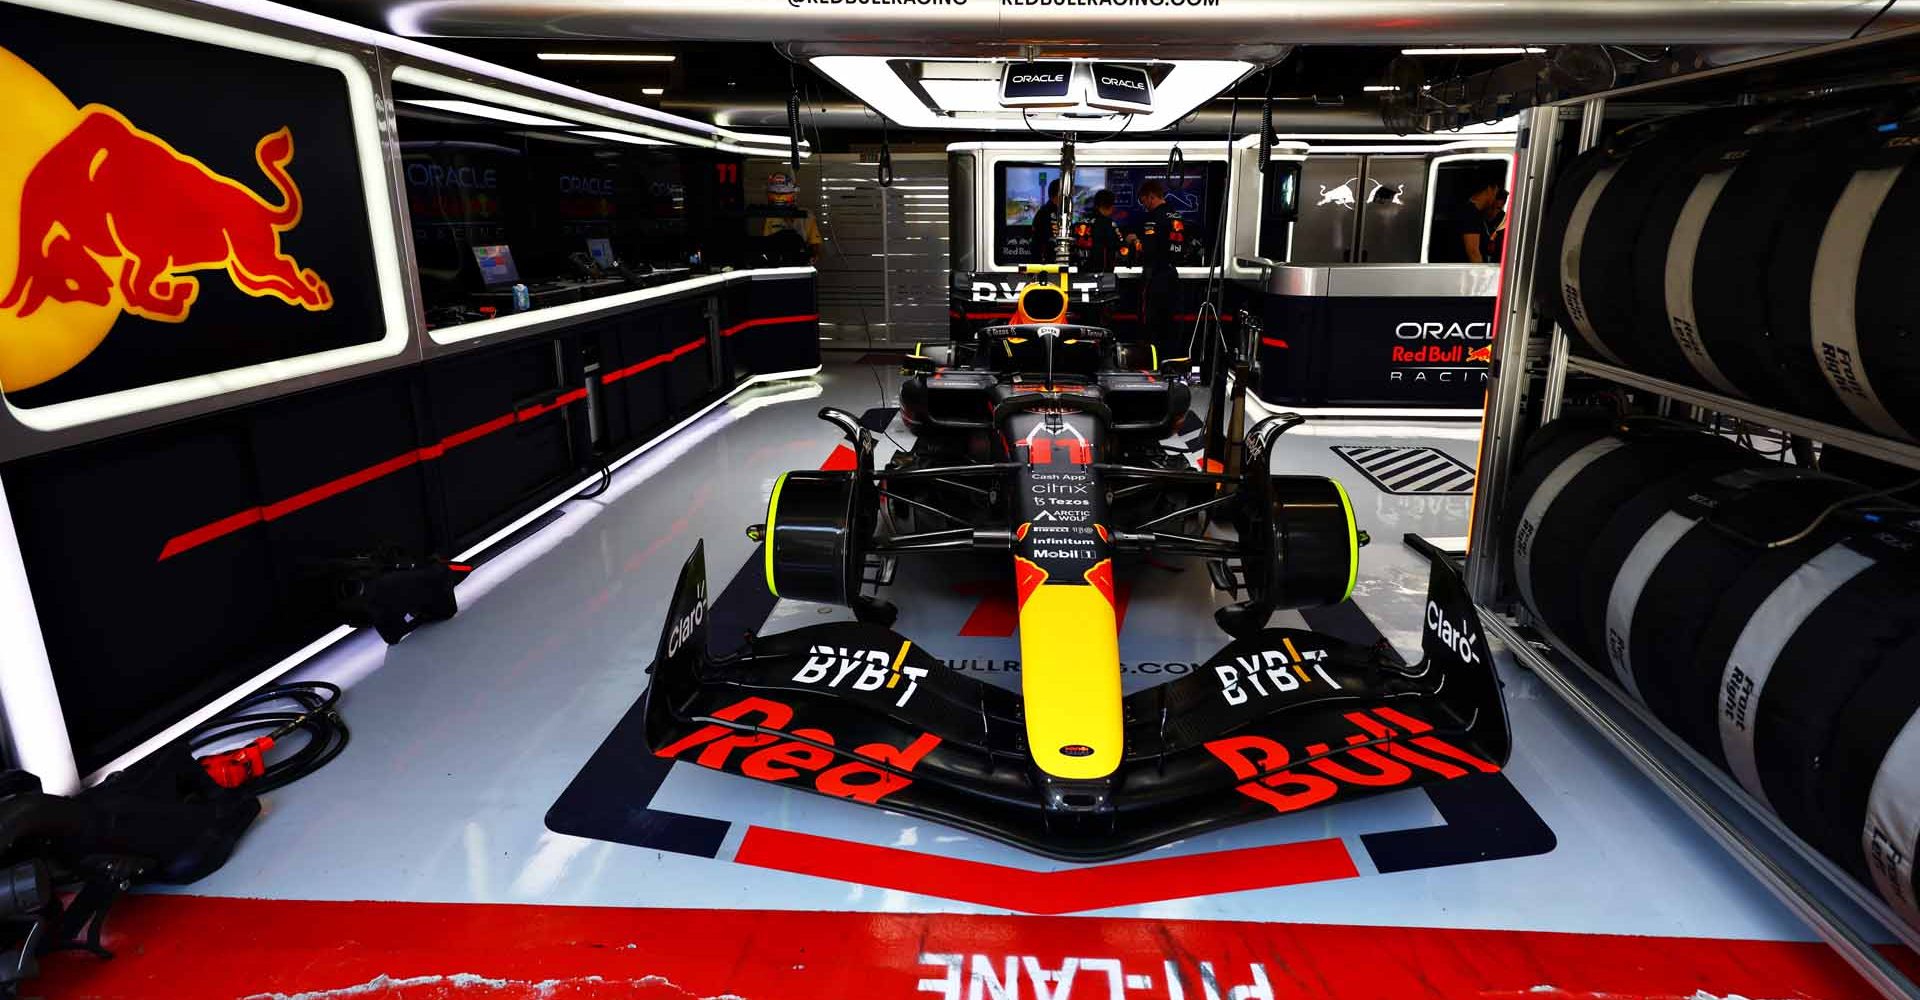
[[1042, 441]]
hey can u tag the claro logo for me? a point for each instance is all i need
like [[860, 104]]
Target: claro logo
[[682, 628], [1455, 637], [1443, 331]]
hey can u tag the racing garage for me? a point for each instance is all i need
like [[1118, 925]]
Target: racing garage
[[975, 499]]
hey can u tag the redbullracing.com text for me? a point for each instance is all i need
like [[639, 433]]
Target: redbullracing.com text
[[1110, 3]]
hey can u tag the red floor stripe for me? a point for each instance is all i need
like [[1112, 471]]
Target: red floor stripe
[[225, 949], [841, 459], [1067, 890], [769, 321]]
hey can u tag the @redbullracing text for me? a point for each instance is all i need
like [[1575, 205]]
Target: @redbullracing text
[[976, 977]]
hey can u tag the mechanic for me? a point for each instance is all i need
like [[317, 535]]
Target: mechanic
[[790, 237], [1157, 246], [1473, 231], [1096, 237], [1046, 226]]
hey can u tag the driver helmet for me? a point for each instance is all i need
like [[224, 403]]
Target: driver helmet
[[781, 188]]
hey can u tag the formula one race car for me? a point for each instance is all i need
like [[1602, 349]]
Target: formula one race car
[[1042, 440]]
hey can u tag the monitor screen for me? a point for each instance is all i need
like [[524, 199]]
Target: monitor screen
[[496, 265], [1193, 190], [601, 250]]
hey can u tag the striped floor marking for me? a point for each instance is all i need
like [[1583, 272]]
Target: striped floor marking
[[1405, 469]]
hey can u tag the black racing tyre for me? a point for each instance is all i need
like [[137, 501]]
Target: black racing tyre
[[1627, 549], [813, 537], [1868, 783], [1567, 492], [1841, 278], [1700, 267], [1659, 605], [1791, 642], [1306, 552], [1605, 200]]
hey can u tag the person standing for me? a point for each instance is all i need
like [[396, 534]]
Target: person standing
[[788, 236], [1157, 245], [1096, 237], [1472, 232], [1046, 226]]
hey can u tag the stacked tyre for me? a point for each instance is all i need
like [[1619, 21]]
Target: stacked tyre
[[1764, 255], [1769, 615]]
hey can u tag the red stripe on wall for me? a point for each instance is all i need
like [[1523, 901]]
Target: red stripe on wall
[[652, 362], [189, 946], [769, 321], [281, 508], [1274, 342], [1065, 890]]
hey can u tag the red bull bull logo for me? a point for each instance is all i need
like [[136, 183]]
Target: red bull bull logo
[[110, 219], [1481, 354]]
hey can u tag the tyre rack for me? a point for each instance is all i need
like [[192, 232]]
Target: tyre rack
[[1532, 356]]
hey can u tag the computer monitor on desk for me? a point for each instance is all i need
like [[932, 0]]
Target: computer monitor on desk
[[496, 265]]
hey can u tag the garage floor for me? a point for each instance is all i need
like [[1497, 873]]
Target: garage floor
[[491, 832]]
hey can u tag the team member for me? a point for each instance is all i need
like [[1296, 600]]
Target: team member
[[1473, 231], [1157, 246], [788, 238], [1046, 226], [1096, 237]]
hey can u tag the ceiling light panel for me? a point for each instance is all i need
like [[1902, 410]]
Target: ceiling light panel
[[603, 57], [877, 81]]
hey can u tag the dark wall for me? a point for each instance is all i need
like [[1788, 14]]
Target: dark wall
[[170, 564]]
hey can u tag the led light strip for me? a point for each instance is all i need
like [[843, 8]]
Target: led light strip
[[571, 114], [321, 24], [373, 178], [571, 310]]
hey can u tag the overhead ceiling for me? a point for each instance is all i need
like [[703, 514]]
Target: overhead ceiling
[[744, 83]]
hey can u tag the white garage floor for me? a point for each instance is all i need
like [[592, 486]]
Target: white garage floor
[[467, 733]]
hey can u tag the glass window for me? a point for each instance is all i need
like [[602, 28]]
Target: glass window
[[1467, 208], [1020, 189], [1280, 208], [499, 198]]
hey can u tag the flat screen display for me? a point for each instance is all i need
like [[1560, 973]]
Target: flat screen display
[[496, 265], [1193, 190], [601, 251]]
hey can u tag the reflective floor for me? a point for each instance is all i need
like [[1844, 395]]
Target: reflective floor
[[467, 733]]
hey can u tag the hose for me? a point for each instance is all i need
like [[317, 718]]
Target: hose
[[308, 707], [793, 131]]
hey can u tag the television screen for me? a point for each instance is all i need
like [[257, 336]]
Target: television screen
[[496, 265], [601, 251], [1193, 190]]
